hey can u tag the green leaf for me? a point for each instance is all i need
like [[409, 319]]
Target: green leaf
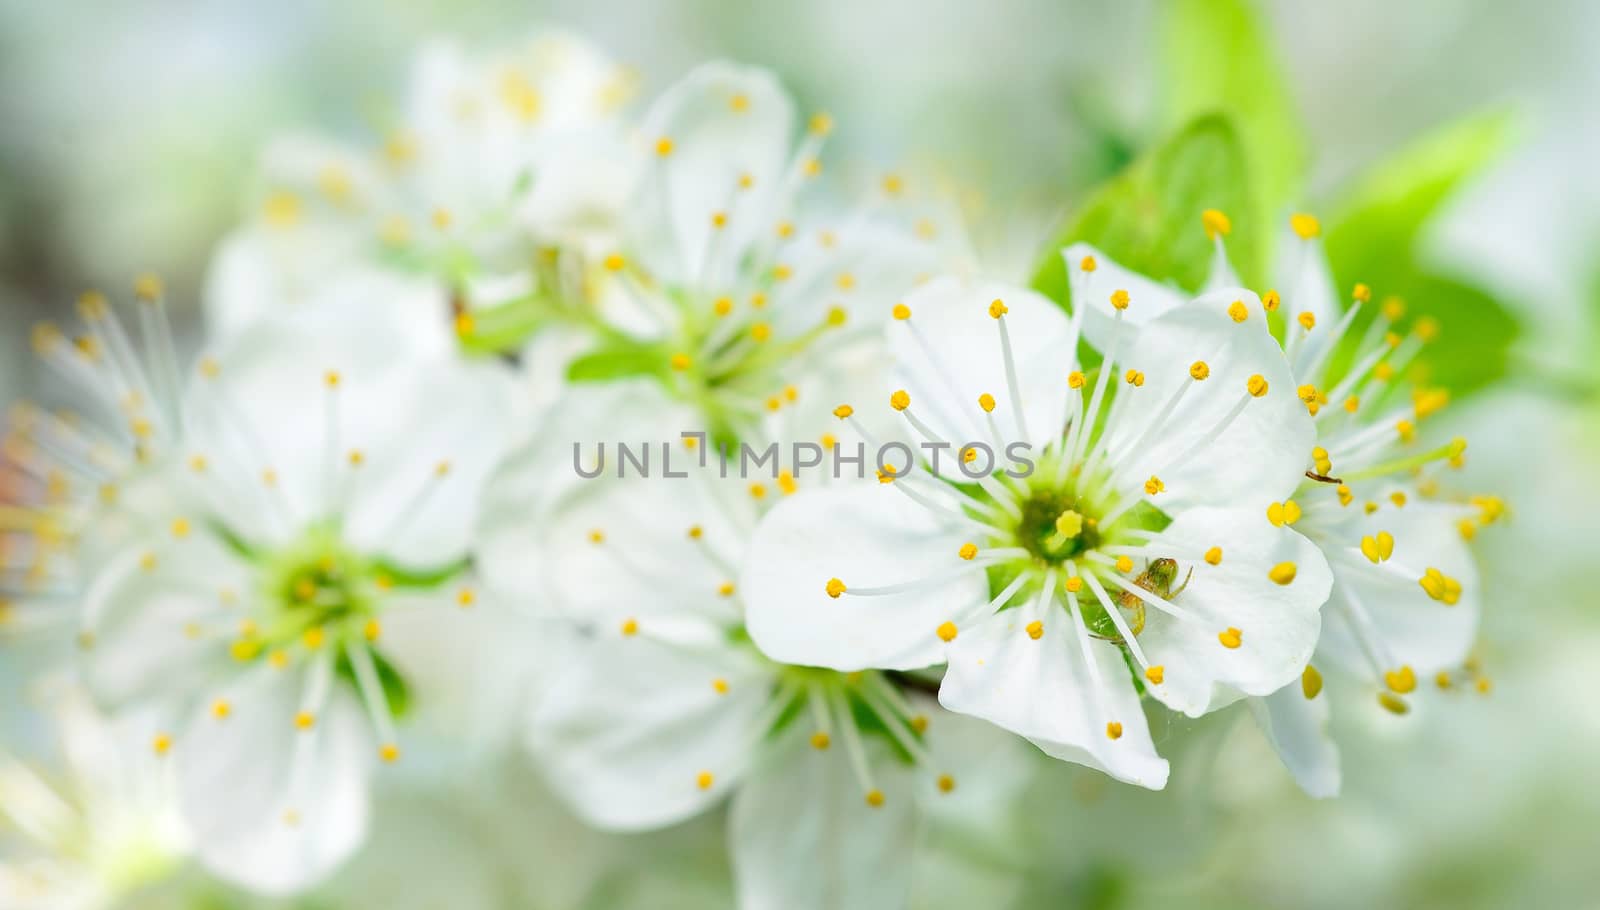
[[1219, 57], [1148, 217], [617, 360], [1375, 238]]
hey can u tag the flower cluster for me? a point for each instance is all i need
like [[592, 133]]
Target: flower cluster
[[351, 528]]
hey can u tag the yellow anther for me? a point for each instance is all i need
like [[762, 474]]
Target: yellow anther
[[720, 686], [1427, 402], [1379, 548], [835, 587], [1113, 730], [719, 220], [1361, 293], [221, 708], [1073, 584], [1345, 495], [812, 167], [785, 229], [1230, 637], [1393, 308], [1270, 301], [1154, 485], [389, 753], [1398, 498], [372, 631], [1392, 703], [1400, 681], [875, 798], [1124, 564], [1134, 378], [900, 400], [969, 455], [680, 362], [1467, 528], [1237, 311], [919, 723], [820, 741], [1307, 393], [725, 589], [893, 185], [1214, 556], [615, 262], [313, 638], [162, 744], [1307, 320], [925, 229], [761, 331], [1483, 685], [1306, 226], [357, 458], [180, 528], [1440, 587], [1216, 224], [1075, 379], [466, 325], [998, 308], [148, 287], [1427, 328], [663, 147], [305, 720], [245, 650], [786, 483], [946, 631], [888, 473], [1283, 513], [1156, 674], [630, 627], [821, 124], [1199, 370], [1035, 630], [1283, 573], [1406, 430], [968, 550], [281, 209], [596, 536], [828, 441], [441, 218], [198, 464], [901, 311], [1383, 372], [758, 491], [739, 103], [1087, 264], [1120, 299], [843, 411], [946, 783], [1310, 682], [781, 272], [1256, 385]]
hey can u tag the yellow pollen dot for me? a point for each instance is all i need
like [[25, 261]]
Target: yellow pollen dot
[[1379, 548], [1230, 637], [986, 401], [162, 744], [900, 400], [1383, 372], [1075, 380], [781, 272], [1216, 224], [180, 528], [1467, 528], [1406, 430], [441, 219], [1214, 556], [197, 463], [663, 147], [1308, 320], [696, 532], [821, 124], [1283, 513], [725, 589], [630, 627], [1427, 328], [281, 209], [372, 630], [220, 709], [1069, 524], [761, 331], [812, 167], [1398, 498], [1370, 507], [1393, 308], [305, 720], [919, 723], [1199, 370], [946, 631], [1442, 680], [969, 455], [1392, 703], [1134, 378], [786, 483], [1156, 674], [1310, 682], [1035, 630], [389, 752], [757, 491], [148, 287], [1237, 311], [1074, 584], [1440, 587], [1154, 485], [245, 650], [1270, 301], [1087, 264], [1483, 685], [758, 300], [828, 441], [901, 312], [820, 741], [1361, 292], [1113, 730], [704, 780], [843, 411], [680, 362], [875, 798], [597, 536], [1124, 564], [1345, 496], [837, 316], [615, 262], [1400, 681], [968, 550], [313, 637], [1256, 385], [1427, 402], [1306, 226], [998, 308], [739, 103], [1120, 299], [785, 229], [1307, 392], [893, 185], [946, 783], [1283, 573], [719, 220], [720, 686], [835, 587]]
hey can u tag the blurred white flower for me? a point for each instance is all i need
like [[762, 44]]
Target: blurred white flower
[[94, 828], [274, 538], [666, 708], [497, 166], [915, 571]]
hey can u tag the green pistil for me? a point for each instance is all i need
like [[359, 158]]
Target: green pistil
[[1449, 450]]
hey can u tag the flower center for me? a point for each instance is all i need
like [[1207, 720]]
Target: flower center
[[317, 583]]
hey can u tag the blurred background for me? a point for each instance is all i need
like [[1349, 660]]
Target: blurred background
[[130, 131]]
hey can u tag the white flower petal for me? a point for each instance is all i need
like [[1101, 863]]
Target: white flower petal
[[867, 535], [1091, 295], [804, 838], [953, 321], [862, 266], [723, 122], [1297, 728], [1044, 690], [1262, 454], [263, 816], [634, 720], [1278, 624]]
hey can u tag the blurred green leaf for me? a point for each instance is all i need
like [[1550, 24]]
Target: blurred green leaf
[[617, 360], [1148, 217], [1374, 237], [1219, 57]]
